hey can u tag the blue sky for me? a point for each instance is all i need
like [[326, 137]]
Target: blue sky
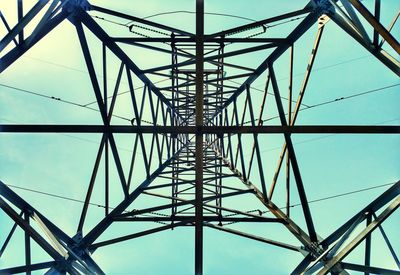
[[330, 164]]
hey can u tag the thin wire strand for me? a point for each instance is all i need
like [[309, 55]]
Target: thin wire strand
[[336, 100], [130, 24], [229, 215], [192, 12], [315, 200], [60, 100]]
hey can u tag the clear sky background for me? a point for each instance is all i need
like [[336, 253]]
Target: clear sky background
[[330, 164]]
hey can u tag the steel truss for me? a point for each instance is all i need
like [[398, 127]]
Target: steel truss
[[196, 127]]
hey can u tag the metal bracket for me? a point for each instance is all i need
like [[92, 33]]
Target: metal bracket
[[324, 7], [72, 5]]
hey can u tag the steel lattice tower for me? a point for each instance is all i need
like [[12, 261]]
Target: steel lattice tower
[[189, 136]]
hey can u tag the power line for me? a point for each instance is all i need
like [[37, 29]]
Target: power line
[[250, 211], [44, 96], [66, 101], [70, 199], [57, 64], [345, 194], [315, 200], [324, 67], [85, 72], [52, 195], [128, 119], [121, 93], [59, 99], [174, 12], [260, 90], [130, 24], [301, 74], [221, 14], [128, 91], [336, 100], [163, 80], [192, 12], [209, 13], [352, 96]]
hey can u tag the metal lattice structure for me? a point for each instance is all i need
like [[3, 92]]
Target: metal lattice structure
[[198, 125]]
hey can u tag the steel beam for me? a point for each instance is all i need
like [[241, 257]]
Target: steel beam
[[270, 129], [28, 268], [94, 246], [199, 136], [254, 237], [216, 40]]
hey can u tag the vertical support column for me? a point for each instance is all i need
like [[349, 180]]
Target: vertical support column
[[20, 15], [176, 120], [174, 84], [221, 122], [106, 175], [27, 244], [199, 136], [290, 123], [367, 261], [106, 155], [187, 113], [377, 16]]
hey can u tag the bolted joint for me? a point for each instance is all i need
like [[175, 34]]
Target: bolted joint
[[323, 7], [29, 212], [314, 249], [337, 269], [60, 267], [73, 5], [78, 236]]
